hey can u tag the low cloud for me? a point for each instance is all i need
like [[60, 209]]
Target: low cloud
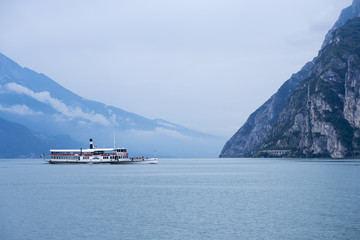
[[58, 105], [161, 131], [166, 124], [19, 109]]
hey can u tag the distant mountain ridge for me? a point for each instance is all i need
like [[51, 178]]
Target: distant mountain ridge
[[253, 135], [51, 111], [18, 141]]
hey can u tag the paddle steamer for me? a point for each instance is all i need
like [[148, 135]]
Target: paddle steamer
[[95, 155]]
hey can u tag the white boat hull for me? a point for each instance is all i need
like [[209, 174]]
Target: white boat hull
[[99, 160]]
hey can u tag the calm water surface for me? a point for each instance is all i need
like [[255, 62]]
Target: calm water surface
[[181, 199]]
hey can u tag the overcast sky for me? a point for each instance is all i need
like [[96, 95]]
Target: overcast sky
[[205, 64]]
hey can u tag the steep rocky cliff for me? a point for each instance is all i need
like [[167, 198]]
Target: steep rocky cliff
[[346, 14], [260, 125], [322, 116]]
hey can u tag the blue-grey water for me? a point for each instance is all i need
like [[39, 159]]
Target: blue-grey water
[[181, 199]]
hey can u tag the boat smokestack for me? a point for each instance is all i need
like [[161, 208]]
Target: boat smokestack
[[91, 143]]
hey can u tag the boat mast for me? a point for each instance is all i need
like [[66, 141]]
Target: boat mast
[[114, 138]]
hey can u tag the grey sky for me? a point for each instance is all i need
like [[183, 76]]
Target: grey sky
[[205, 65]]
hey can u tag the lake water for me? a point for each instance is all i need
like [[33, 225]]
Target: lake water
[[181, 199]]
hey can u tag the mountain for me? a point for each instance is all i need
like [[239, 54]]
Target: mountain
[[322, 117], [346, 14], [54, 113], [18, 141], [254, 135], [258, 125]]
